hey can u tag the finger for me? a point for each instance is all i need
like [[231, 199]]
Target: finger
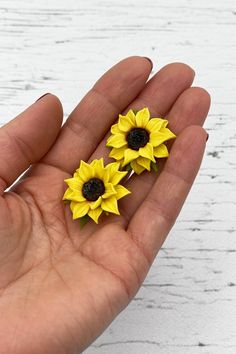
[[158, 212], [158, 95], [26, 139], [94, 115], [191, 108]]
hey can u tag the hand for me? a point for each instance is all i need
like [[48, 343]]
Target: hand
[[61, 286]]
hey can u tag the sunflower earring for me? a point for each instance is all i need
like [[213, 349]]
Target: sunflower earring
[[137, 140], [95, 189]]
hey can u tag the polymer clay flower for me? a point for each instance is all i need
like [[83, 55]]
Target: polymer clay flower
[[94, 189], [137, 140]]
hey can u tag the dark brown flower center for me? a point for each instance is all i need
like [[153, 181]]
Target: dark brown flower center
[[137, 138], [93, 189]]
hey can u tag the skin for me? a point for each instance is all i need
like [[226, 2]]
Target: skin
[[61, 286]]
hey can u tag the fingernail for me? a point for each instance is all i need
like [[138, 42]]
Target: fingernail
[[207, 137], [149, 61], [48, 93]]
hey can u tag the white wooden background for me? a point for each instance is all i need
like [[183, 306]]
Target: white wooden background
[[188, 301]]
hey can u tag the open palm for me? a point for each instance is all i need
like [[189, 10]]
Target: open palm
[[60, 286]]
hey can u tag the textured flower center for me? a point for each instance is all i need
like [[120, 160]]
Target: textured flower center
[[137, 138], [93, 189]]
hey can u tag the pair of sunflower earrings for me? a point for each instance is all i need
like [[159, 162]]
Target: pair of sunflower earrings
[[136, 141]]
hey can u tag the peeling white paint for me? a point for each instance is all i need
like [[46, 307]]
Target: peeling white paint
[[188, 301]]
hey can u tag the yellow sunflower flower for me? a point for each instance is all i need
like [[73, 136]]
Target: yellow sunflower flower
[[94, 189], [137, 140]]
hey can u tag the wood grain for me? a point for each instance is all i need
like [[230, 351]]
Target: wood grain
[[188, 301]]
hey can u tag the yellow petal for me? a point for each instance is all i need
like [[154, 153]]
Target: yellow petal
[[160, 137], [67, 194], [112, 173], [117, 154], [110, 170], [169, 134], [115, 129], [165, 122], [117, 141], [99, 168], [79, 209], [161, 151], [124, 123], [142, 161], [94, 214], [121, 191], [77, 176], [136, 167], [131, 117], [110, 205], [73, 195], [98, 162], [147, 151], [93, 163], [116, 178], [142, 118], [74, 183], [129, 156], [155, 124], [95, 204], [85, 171], [110, 190]]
